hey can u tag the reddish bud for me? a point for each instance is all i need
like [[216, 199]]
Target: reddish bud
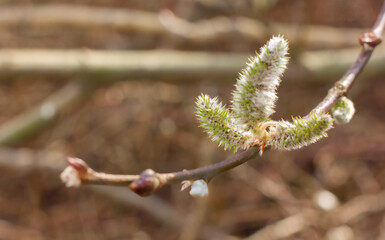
[[79, 165], [370, 39], [146, 184]]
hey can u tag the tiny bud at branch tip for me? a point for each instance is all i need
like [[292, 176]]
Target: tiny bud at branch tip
[[70, 176], [78, 164]]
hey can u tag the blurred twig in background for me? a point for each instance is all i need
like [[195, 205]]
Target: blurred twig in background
[[170, 65], [347, 213], [166, 22]]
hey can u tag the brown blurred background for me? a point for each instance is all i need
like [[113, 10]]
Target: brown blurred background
[[114, 83]]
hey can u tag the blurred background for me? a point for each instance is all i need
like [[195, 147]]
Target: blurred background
[[114, 83]]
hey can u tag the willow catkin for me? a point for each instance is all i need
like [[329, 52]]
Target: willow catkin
[[255, 91]]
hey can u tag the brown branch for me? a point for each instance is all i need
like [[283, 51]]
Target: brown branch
[[149, 181], [27, 159]]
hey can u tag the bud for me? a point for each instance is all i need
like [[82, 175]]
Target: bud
[[199, 188], [70, 177], [146, 184], [343, 110]]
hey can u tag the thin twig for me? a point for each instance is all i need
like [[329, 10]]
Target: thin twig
[[27, 159], [149, 181], [369, 41]]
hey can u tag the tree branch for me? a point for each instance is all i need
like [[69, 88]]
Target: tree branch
[[368, 41], [149, 181]]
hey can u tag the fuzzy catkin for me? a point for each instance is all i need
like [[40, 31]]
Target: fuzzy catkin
[[300, 132], [255, 94], [218, 122], [247, 123]]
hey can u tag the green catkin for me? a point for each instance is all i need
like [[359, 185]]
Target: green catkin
[[255, 94], [247, 123], [300, 132], [219, 123]]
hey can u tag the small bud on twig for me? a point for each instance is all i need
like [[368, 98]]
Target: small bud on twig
[[199, 188], [78, 164], [343, 110], [369, 39], [70, 177], [146, 184]]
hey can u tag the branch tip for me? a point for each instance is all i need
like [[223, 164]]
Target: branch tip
[[79, 165], [71, 177]]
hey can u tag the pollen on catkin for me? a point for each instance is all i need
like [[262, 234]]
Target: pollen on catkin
[[343, 110], [300, 132], [219, 123], [255, 94]]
